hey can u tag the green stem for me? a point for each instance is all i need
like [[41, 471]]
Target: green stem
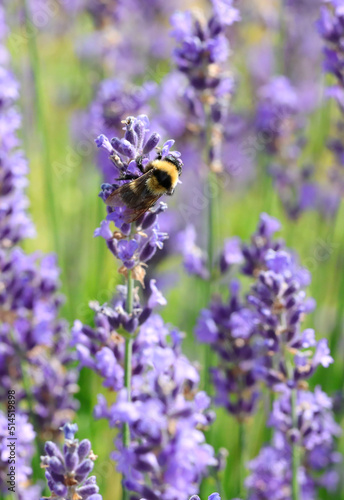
[[127, 366], [210, 251], [127, 383], [210, 236], [41, 123], [269, 430], [211, 229], [295, 450], [242, 459], [280, 54], [209, 192]]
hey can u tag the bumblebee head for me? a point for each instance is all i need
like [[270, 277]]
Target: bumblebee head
[[176, 162]]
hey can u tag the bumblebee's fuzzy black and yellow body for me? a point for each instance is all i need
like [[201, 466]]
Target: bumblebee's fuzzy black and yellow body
[[164, 178], [139, 195]]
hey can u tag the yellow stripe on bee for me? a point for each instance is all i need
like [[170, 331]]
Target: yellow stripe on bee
[[168, 167], [155, 187]]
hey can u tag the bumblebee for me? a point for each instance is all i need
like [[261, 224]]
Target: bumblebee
[[139, 195]]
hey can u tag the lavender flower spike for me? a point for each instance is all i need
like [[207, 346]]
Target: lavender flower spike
[[315, 434], [330, 27], [130, 156], [15, 223], [213, 496], [167, 456], [68, 472]]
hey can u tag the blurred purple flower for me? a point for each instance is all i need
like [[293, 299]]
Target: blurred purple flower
[[231, 254], [259, 338], [330, 27], [200, 46], [229, 329], [15, 223], [201, 54], [194, 258], [226, 12], [278, 102], [34, 355], [31, 333], [24, 436]]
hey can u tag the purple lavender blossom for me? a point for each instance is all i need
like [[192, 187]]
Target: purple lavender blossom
[[261, 340], [15, 224], [261, 242], [112, 104], [102, 349], [279, 121], [279, 302], [229, 329], [203, 47], [201, 54], [24, 451], [133, 52], [67, 471], [278, 103], [302, 49], [330, 27], [257, 338], [279, 117], [231, 255], [167, 413], [115, 100], [166, 418], [271, 474], [194, 258], [31, 333], [197, 99], [34, 353], [129, 156], [315, 433], [213, 496]]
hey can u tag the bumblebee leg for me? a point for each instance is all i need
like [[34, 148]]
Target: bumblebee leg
[[158, 154], [139, 163], [126, 177]]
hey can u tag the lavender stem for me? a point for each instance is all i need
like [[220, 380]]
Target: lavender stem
[[242, 459], [207, 154], [280, 55], [295, 451], [127, 365], [210, 235], [210, 230]]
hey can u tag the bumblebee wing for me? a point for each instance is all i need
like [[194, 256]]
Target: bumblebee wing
[[132, 215], [129, 194], [135, 196]]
